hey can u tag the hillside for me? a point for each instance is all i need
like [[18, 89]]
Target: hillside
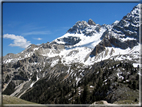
[[89, 63], [14, 100]]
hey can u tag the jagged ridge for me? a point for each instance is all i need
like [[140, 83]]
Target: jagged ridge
[[73, 56]]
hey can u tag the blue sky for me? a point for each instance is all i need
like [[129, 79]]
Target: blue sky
[[37, 23]]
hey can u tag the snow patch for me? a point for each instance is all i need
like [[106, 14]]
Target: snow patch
[[77, 80], [91, 86], [32, 84], [35, 49], [136, 64], [54, 62]]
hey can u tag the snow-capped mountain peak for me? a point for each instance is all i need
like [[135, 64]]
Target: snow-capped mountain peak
[[78, 27], [136, 10], [87, 49], [115, 23], [93, 37]]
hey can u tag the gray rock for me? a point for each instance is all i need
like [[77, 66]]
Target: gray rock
[[91, 22], [101, 47], [79, 26]]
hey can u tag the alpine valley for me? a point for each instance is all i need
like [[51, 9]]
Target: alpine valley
[[89, 63]]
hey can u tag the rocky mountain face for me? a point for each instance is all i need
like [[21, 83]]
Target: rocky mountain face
[[91, 62], [123, 35]]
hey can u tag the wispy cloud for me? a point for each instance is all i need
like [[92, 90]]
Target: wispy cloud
[[38, 38], [37, 33], [19, 41], [62, 28], [33, 27]]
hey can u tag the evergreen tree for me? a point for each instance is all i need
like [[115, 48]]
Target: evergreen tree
[[84, 95]]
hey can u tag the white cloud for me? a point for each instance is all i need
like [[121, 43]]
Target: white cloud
[[19, 41], [38, 38]]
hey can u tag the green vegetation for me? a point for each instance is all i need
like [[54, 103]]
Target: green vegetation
[[14, 100], [10, 89], [126, 102], [99, 82]]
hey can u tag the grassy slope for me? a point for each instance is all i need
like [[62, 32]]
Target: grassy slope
[[14, 100]]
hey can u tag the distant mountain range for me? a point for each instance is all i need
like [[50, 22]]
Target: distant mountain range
[[89, 63]]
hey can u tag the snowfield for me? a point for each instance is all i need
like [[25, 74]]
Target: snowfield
[[82, 38]]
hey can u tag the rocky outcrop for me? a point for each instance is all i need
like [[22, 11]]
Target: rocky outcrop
[[71, 40], [101, 47], [124, 34], [91, 22], [129, 25], [121, 44], [112, 41], [78, 27], [46, 65]]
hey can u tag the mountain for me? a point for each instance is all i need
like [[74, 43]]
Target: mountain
[[90, 62]]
